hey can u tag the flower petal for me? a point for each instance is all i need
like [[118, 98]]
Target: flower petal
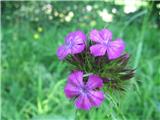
[[98, 50], [77, 48], [62, 52], [76, 78], [95, 36], [69, 37], [94, 82], [71, 91], [106, 34], [115, 49], [82, 102], [79, 37], [96, 98]]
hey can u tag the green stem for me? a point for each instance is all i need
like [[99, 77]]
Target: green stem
[[134, 17], [76, 114], [76, 59], [39, 89], [140, 46], [115, 105], [88, 74]]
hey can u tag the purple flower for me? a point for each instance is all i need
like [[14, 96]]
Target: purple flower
[[105, 45], [74, 43], [86, 93]]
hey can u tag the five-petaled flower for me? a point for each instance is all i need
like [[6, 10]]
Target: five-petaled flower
[[105, 45], [74, 43], [87, 93]]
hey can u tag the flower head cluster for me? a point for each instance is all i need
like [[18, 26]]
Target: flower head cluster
[[98, 63]]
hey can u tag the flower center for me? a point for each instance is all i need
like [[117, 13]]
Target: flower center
[[84, 90], [68, 44], [105, 42]]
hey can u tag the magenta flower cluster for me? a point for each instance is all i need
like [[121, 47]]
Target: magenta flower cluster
[[75, 42], [87, 91]]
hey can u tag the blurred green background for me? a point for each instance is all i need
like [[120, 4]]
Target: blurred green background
[[33, 78]]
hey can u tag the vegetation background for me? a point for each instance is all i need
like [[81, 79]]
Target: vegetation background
[[33, 78]]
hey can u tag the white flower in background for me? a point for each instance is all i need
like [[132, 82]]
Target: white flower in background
[[56, 13], [61, 15], [107, 17], [89, 8], [39, 29], [158, 6], [69, 17], [114, 10], [50, 17], [131, 6], [47, 8], [71, 14]]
